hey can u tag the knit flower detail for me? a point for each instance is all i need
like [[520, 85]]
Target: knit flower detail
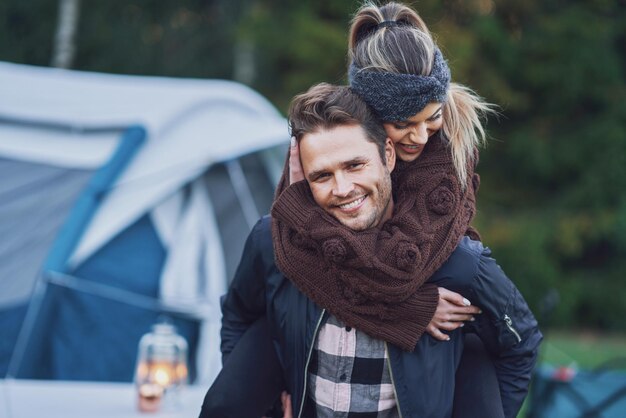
[[353, 296], [334, 250], [441, 200], [301, 241], [407, 256]]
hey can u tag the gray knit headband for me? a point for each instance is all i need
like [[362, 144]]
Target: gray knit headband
[[397, 97]]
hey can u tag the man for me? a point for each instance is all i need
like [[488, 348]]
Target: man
[[330, 368]]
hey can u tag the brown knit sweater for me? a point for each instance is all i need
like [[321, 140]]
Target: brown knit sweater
[[374, 280]]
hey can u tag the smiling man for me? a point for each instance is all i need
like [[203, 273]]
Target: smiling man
[[348, 175], [341, 343]]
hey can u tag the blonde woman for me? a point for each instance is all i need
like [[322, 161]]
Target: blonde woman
[[398, 69]]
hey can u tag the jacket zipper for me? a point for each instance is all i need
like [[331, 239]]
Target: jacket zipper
[[393, 384], [308, 359], [509, 324]]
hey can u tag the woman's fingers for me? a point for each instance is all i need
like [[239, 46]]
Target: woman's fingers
[[286, 401], [436, 333], [455, 317], [447, 312], [451, 313], [453, 297], [449, 326], [457, 303], [295, 166]]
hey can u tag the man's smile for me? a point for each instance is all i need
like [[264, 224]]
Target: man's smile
[[351, 206]]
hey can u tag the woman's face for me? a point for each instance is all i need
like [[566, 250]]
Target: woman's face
[[409, 137]]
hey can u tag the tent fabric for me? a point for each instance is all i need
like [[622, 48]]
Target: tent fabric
[[155, 226], [28, 227], [217, 119], [570, 393], [40, 320], [87, 335], [92, 197], [58, 146], [195, 256]]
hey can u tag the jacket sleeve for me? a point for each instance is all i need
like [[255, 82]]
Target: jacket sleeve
[[244, 302], [508, 329]]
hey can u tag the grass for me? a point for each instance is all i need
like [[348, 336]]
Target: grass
[[584, 349]]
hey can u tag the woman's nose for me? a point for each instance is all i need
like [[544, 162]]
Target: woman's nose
[[419, 134]]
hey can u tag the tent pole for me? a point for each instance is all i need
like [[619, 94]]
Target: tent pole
[[242, 190]]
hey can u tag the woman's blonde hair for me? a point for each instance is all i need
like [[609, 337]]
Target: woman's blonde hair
[[407, 47]]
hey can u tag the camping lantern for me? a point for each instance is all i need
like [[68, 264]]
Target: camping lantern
[[161, 371]]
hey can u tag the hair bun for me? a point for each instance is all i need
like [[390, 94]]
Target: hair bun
[[365, 30]]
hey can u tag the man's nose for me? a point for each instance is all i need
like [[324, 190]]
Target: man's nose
[[419, 134], [343, 186]]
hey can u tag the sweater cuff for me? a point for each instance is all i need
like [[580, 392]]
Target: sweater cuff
[[426, 300]]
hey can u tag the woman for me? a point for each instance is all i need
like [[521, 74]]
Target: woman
[[399, 71], [394, 61]]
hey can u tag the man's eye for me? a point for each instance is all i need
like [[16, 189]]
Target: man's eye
[[322, 177], [356, 166], [400, 126]]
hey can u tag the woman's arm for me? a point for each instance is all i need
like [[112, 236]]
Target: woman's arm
[[508, 329], [244, 303], [250, 381]]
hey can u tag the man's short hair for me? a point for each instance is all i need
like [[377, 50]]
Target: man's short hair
[[326, 106]]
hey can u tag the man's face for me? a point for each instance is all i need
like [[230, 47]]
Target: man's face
[[347, 177]]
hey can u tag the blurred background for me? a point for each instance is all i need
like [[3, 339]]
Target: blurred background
[[552, 203]]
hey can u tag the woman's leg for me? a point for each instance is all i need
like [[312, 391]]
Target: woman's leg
[[250, 381], [476, 391]]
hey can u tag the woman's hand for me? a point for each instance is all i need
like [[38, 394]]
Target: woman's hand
[[452, 310], [295, 165], [285, 398]]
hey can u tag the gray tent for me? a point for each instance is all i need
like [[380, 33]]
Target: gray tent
[[123, 198]]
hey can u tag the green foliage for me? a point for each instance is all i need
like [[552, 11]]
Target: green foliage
[[24, 35], [553, 195], [563, 149], [297, 45]]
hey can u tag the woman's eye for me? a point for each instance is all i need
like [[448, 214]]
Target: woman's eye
[[400, 126], [434, 118]]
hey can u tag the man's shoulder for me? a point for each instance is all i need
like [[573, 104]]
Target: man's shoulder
[[464, 259], [469, 253], [471, 247], [263, 227], [260, 237]]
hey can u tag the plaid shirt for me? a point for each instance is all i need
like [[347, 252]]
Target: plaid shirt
[[348, 375]]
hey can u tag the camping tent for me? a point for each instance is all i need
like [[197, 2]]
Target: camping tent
[[123, 198]]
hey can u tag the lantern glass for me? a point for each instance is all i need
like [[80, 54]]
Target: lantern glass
[[161, 371]]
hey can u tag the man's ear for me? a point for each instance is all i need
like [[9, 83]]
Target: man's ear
[[390, 155]]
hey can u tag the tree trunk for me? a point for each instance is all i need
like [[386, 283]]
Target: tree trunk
[[64, 48]]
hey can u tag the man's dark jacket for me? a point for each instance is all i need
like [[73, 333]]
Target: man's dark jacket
[[424, 378]]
